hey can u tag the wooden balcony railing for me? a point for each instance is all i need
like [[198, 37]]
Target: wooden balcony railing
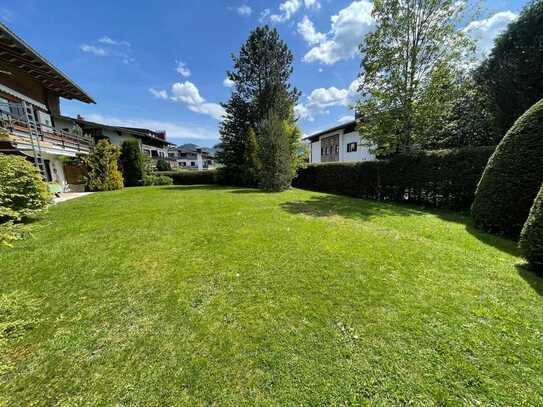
[[14, 122]]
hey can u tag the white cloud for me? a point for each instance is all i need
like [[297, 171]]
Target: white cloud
[[159, 94], [6, 15], [485, 31], [264, 14], [288, 9], [106, 46], [109, 41], [182, 69], [93, 49], [228, 82], [345, 119], [211, 109], [312, 4], [188, 94], [348, 28], [174, 131], [244, 10], [307, 30], [321, 99]]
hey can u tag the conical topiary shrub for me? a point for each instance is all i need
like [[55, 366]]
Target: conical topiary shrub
[[531, 238], [512, 177]]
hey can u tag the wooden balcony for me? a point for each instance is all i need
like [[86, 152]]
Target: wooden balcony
[[51, 140]]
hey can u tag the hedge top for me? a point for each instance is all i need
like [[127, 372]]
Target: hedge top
[[512, 177], [531, 238]]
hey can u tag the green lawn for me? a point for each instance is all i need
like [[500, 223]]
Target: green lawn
[[207, 295]]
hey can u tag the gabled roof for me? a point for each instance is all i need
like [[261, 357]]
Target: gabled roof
[[138, 132], [347, 127], [14, 51]]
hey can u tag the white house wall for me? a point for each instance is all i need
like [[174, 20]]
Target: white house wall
[[362, 152], [316, 152]]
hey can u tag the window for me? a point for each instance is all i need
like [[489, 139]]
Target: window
[[154, 153], [337, 148], [192, 164], [352, 147], [183, 164]]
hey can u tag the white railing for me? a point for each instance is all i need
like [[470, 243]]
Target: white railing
[[14, 121]]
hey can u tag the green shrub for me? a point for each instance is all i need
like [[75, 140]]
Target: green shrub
[[102, 167], [23, 195], [163, 165], [153, 179], [512, 177], [132, 163], [442, 179], [531, 238], [193, 177]]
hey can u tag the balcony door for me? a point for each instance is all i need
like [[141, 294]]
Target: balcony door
[[330, 148]]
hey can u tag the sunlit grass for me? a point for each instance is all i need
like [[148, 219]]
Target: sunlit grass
[[202, 295]]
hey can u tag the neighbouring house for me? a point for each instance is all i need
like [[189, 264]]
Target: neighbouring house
[[193, 159], [338, 144], [30, 92], [152, 143]]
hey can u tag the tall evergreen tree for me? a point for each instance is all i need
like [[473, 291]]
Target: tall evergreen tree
[[275, 169], [513, 73], [261, 85]]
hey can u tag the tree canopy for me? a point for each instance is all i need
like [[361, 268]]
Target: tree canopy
[[512, 75], [409, 62]]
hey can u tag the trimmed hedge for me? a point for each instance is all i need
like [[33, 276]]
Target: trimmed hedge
[[531, 238], [191, 177], [441, 179], [512, 177]]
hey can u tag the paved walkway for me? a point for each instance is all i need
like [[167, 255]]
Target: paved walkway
[[68, 196]]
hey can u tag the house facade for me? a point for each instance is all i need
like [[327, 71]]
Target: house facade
[[338, 144], [192, 159], [30, 92], [152, 143]]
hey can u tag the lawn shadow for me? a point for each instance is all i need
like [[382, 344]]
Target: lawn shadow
[[362, 209], [246, 191], [503, 244], [531, 276], [347, 207]]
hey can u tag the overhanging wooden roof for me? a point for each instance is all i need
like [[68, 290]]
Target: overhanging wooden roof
[[16, 52]]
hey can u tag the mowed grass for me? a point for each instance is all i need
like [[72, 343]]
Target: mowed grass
[[207, 295]]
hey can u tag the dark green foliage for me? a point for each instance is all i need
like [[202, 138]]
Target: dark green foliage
[[193, 177], [531, 238], [513, 73], [443, 179], [275, 167], [234, 145], [512, 177], [261, 75], [467, 122], [132, 163], [163, 165], [261, 84], [103, 172]]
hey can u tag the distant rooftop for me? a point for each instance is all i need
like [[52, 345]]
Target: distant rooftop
[[347, 126]]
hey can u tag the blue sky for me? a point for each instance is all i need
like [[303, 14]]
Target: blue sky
[[161, 64]]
